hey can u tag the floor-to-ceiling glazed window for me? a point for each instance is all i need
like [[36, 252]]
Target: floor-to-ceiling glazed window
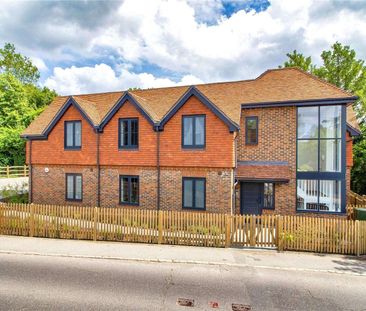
[[321, 158]]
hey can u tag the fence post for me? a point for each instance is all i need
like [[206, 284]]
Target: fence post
[[252, 229], [357, 238], [31, 220], [160, 227], [228, 230], [96, 214], [25, 170], [7, 171], [279, 237], [2, 217]]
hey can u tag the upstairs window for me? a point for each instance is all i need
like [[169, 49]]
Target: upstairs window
[[74, 186], [72, 135], [319, 139], [194, 131], [128, 133], [194, 193], [129, 190], [251, 130]]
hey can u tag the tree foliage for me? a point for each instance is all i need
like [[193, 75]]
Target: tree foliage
[[341, 67], [18, 65], [21, 100]]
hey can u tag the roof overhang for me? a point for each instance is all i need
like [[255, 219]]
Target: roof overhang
[[69, 102], [307, 102], [126, 97], [260, 180], [353, 131], [263, 171], [193, 91]]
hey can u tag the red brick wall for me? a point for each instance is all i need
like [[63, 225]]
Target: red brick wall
[[218, 188], [276, 142], [49, 187], [219, 141], [51, 151]]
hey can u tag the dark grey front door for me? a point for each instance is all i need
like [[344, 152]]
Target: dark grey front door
[[251, 198]]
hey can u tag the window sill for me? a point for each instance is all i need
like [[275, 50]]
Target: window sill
[[128, 149], [193, 148], [74, 200], [128, 204], [194, 209], [72, 148]]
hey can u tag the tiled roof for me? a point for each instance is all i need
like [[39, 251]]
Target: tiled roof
[[273, 85], [272, 172]]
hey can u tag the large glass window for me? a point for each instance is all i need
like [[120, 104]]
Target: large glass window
[[74, 188], [194, 193], [128, 133], [319, 158], [319, 195], [193, 131], [129, 190], [72, 135], [319, 139]]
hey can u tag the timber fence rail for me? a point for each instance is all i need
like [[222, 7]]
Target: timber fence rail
[[356, 199], [300, 233], [14, 171]]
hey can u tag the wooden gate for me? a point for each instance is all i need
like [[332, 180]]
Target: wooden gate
[[254, 231]]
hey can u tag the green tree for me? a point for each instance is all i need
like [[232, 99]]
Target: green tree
[[18, 65], [341, 67], [299, 60], [21, 100]]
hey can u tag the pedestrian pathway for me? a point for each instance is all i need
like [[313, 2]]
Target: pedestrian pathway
[[266, 259]]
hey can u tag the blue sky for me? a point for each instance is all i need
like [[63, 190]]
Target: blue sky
[[94, 46]]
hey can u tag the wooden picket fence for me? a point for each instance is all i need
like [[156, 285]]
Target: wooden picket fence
[[14, 171], [354, 198], [299, 233]]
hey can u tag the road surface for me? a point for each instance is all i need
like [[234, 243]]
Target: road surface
[[30, 282]]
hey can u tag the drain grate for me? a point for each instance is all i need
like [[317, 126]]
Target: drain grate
[[185, 302], [240, 307]]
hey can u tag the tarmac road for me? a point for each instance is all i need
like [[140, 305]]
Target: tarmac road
[[30, 282]]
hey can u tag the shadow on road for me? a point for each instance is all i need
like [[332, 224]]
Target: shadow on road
[[351, 264]]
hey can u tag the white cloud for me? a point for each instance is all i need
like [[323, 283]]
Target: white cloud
[[102, 78], [167, 34], [39, 63], [186, 37]]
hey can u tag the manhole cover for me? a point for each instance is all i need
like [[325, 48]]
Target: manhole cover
[[185, 302], [240, 307]]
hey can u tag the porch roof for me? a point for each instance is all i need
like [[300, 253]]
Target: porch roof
[[263, 172]]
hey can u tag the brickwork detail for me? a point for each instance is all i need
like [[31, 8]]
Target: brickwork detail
[[276, 142], [49, 187], [218, 188]]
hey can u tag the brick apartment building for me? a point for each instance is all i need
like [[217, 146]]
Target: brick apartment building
[[281, 143]]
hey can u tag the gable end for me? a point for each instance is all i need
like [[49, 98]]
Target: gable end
[[193, 91]]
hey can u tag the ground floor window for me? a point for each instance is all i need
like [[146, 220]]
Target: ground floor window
[[74, 185], [194, 193], [319, 195], [129, 190], [268, 196]]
